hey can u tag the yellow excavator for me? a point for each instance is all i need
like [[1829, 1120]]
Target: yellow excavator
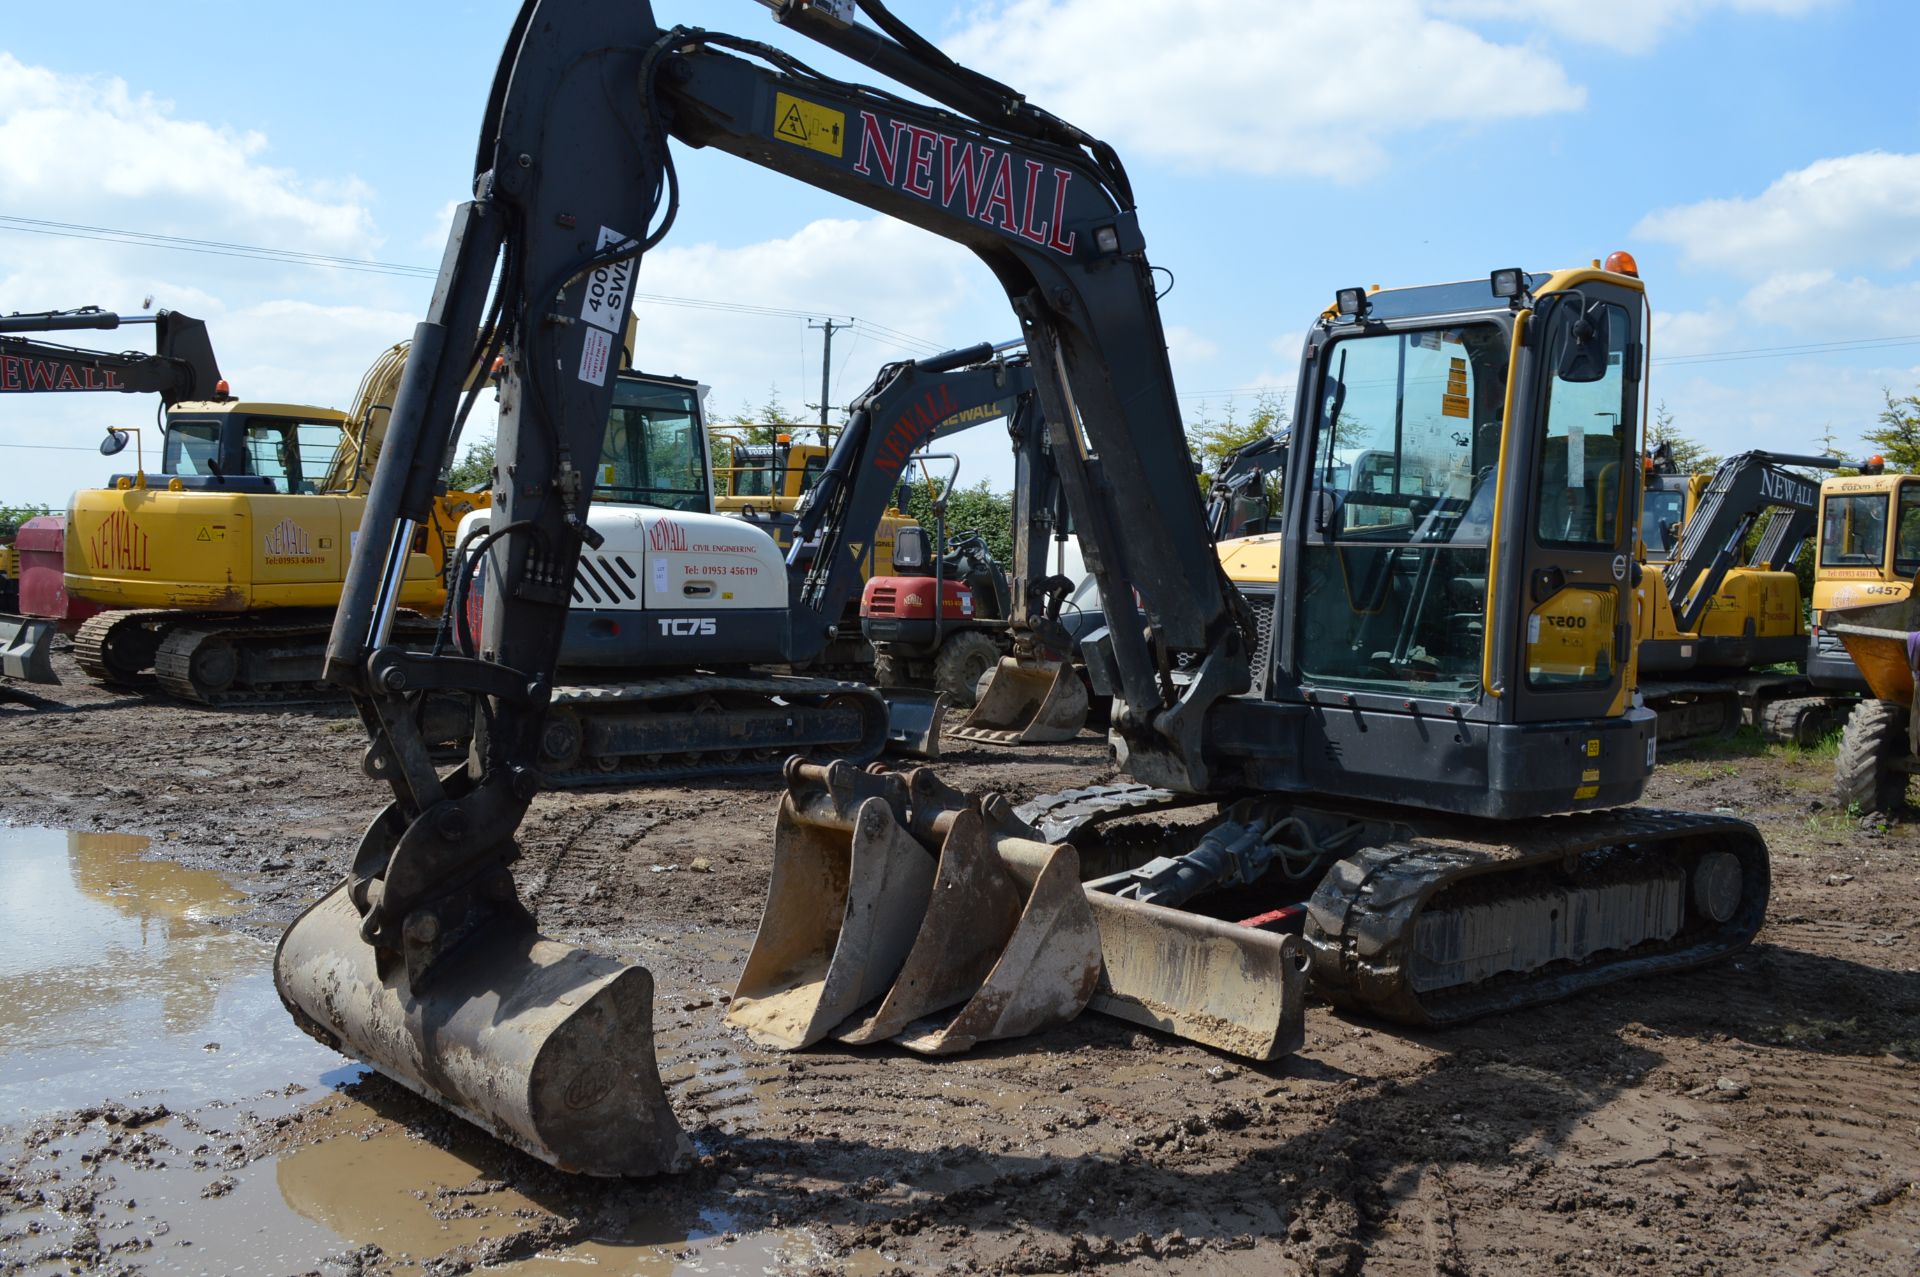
[[1450, 650], [222, 571], [1722, 636]]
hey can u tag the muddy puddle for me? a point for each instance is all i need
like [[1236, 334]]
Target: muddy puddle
[[160, 1113]]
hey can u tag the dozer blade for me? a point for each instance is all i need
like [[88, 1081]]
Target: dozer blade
[[1028, 701], [547, 1046], [1007, 933], [914, 717], [1235, 988], [848, 891], [26, 648]]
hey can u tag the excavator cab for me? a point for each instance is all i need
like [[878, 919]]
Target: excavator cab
[[1867, 552], [1459, 544]]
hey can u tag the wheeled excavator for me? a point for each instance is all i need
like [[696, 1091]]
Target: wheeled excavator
[[1450, 661], [675, 607]]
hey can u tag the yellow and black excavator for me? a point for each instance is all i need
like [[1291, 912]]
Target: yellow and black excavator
[[1450, 650], [1722, 634]]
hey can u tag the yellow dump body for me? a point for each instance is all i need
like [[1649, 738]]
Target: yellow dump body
[[1877, 637]]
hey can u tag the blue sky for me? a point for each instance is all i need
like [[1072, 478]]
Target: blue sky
[[1759, 157]]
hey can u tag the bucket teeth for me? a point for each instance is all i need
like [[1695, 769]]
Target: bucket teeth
[[1028, 701]]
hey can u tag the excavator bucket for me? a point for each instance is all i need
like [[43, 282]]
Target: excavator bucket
[[1028, 701], [26, 648], [914, 718], [548, 1046], [1236, 988], [848, 890], [1008, 937]]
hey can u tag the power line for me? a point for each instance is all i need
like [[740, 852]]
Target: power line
[[1782, 352], [327, 261]]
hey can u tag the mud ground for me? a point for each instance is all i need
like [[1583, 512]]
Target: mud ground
[[1761, 1116]]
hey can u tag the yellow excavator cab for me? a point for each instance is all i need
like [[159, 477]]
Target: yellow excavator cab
[[764, 482]]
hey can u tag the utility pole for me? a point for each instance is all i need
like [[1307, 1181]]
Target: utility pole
[[828, 327]]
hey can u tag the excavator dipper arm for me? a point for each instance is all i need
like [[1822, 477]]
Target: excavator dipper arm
[[573, 183], [182, 366]]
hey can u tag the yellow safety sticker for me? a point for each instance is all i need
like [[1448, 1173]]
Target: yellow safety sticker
[[1586, 791], [1593, 748], [1591, 776], [808, 124], [1453, 405], [205, 535]]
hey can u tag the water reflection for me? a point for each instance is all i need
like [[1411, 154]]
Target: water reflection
[[115, 979]]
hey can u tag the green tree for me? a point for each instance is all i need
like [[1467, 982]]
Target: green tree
[[12, 516], [474, 469], [1689, 456], [764, 424], [975, 509], [1897, 438], [1212, 442]]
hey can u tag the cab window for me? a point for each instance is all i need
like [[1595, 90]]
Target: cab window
[[1906, 537], [1404, 451], [1584, 446], [1853, 530], [193, 447]]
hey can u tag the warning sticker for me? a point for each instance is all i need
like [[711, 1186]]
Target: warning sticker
[[609, 287], [595, 354], [808, 124], [1454, 402]]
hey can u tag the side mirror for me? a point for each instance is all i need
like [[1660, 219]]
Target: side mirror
[[910, 550], [115, 443], [1584, 356]]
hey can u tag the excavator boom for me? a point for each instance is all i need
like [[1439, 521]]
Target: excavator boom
[[1411, 661]]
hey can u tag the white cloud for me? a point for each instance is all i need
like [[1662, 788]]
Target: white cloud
[[1185, 346], [1313, 86], [95, 151], [887, 274], [1627, 26], [77, 142], [1846, 211], [1789, 409], [1690, 332]]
